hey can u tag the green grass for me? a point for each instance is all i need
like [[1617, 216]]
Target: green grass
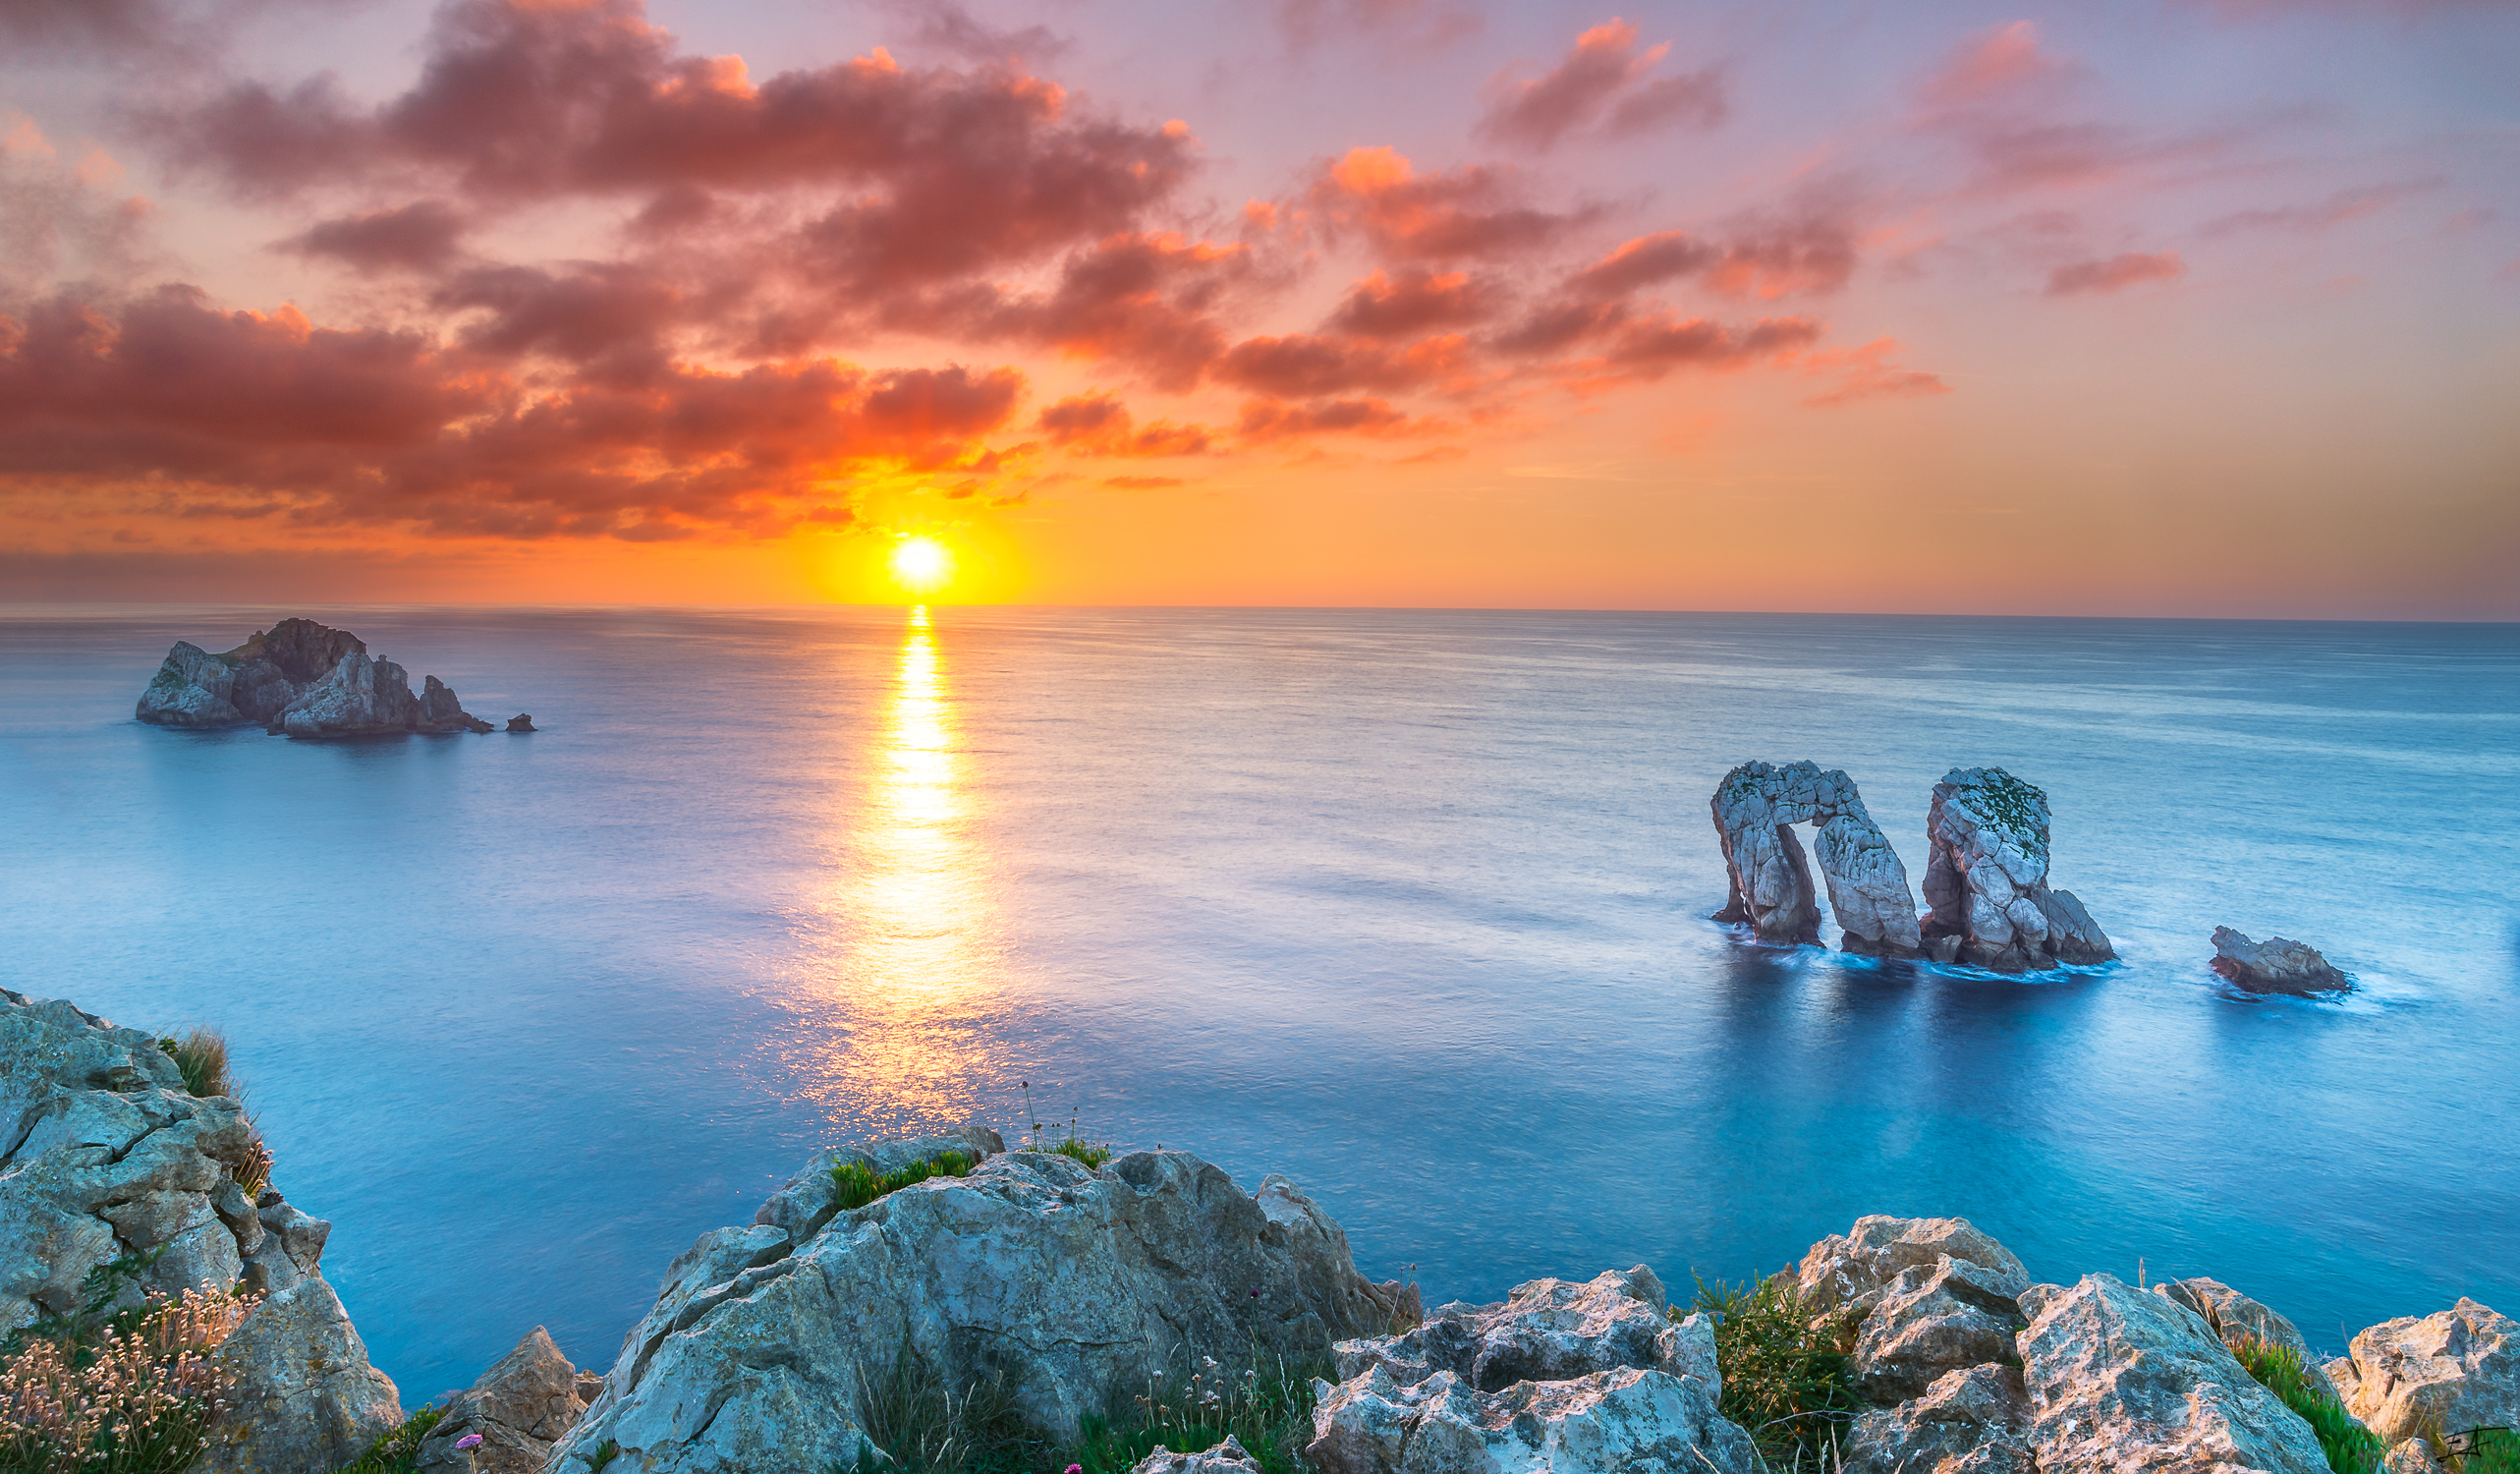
[[925, 1426], [859, 1185], [398, 1452], [1787, 1368], [2497, 1453], [1090, 1155], [2351, 1448], [1270, 1409]]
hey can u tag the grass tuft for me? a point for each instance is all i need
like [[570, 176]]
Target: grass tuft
[[1787, 1368], [201, 1057], [398, 1451], [1270, 1411], [1091, 1155], [2351, 1448], [923, 1426], [859, 1185]]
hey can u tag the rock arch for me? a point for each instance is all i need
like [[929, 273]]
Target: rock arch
[[1754, 809]]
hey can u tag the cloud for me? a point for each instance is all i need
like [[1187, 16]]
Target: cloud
[[1307, 24], [1465, 213], [1810, 255], [416, 237], [1269, 422], [1149, 300], [1994, 64], [1602, 76], [1865, 373], [943, 25], [1099, 425], [162, 399], [2335, 210], [1141, 483], [2116, 274], [65, 219], [1305, 365], [1388, 306]]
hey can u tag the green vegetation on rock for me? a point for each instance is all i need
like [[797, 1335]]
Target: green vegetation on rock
[[859, 1185], [2351, 1448], [398, 1452], [1788, 1372], [1270, 1412]]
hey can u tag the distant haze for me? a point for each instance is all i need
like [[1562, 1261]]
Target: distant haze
[[2180, 306]]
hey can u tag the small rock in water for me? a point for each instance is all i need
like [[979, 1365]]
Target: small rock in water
[[521, 722], [2276, 965]]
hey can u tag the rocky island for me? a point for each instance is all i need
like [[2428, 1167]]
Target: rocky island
[[301, 678], [943, 1287], [1985, 885]]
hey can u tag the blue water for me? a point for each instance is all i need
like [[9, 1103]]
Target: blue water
[[1408, 905]]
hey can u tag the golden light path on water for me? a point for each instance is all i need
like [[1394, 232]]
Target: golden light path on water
[[918, 961]]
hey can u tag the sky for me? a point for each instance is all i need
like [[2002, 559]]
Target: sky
[[2200, 307]]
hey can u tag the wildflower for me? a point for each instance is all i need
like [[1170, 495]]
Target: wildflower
[[469, 1440], [1076, 1469]]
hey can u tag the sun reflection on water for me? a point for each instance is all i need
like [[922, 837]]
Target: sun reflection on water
[[916, 970]]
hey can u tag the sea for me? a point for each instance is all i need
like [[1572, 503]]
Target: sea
[[1409, 906]]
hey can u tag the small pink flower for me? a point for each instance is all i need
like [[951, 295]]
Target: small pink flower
[[469, 1440], [1076, 1469]]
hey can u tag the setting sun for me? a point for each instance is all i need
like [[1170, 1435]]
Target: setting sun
[[921, 564]]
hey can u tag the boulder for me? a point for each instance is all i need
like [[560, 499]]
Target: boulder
[[1071, 1285], [105, 1160], [1936, 1318], [2123, 1379], [441, 711], [2277, 964], [2236, 1318], [1851, 1269], [2459, 1365], [2414, 1456], [192, 689], [1987, 879], [1973, 1421], [1558, 1377], [1755, 808], [521, 722], [1227, 1458], [525, 1402]]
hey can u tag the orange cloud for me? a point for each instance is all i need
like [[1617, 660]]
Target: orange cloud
[[1600, 81]]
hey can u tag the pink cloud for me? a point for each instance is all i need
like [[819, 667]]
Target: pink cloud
[[1602, 78], [1993, 64], [2335, 210], [1464, 213], [2116, 274], [416, 237]]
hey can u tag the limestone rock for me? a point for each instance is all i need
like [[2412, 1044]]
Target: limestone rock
[[359, 698], [526, 1401], [249, 685], [1559, 1376], [2126, 1381], [1071, 1285], [1771, 883], [1973, 1421], [521, 722], [2277, 964], [192, 689], [2460, 1366], [2414, 1456], [306, 1397], [1933, 1320], [1987, 879], [1227, 1458], [1851, 1269], [441, 711], [2235, 1317], [103, 1155]]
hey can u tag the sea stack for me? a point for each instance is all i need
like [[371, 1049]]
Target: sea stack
[[1987, 879], [301, 678], [1754, 809]]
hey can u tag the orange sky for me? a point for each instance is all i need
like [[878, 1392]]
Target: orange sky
[[2185, 309]]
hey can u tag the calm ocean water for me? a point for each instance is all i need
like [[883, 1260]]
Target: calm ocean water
[[1408, 905]]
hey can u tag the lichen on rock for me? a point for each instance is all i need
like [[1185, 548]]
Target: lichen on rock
[[1987, 881]]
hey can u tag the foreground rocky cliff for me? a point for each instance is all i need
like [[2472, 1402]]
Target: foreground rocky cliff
[[301, 678], [106, 1160]]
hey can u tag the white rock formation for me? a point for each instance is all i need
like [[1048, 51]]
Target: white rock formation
[[2125, 1381], [1560, 1377], [1755, 808], [1936, 1318], [1854, 1269], [1987, 879], [1974, 1421], [2460, 1366], [1227, 1458], [1071, 1285], [104, 1155]]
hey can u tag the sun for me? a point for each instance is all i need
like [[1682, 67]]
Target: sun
[[921, 564]]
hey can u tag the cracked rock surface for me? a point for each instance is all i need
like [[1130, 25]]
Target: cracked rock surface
[[104, 1155], [1987, 879], [2459, 1365], [1560, 1377], [1755, 807], [1072, 1284]]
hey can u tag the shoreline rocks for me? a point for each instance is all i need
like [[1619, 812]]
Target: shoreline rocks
[[103, 1155], [300, 678], [2276, 965]]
